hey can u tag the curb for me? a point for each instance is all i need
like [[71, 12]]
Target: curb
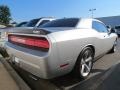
[[20, 82], [97, 79]]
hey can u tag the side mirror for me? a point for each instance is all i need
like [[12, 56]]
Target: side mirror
[[109, 29]]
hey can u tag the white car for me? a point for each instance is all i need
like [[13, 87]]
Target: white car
[[39, 21], [61, 46]]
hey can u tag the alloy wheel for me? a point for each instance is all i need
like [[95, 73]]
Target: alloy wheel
[[86, 63]]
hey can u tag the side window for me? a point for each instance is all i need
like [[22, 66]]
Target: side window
[[99, 27], [43, 22]]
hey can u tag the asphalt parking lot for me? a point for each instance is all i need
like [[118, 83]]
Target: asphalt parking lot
[[66, 82]]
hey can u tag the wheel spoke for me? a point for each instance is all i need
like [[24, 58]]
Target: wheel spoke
[[86, 62], [88, 59], [82, 69], [87, 54], [88, 68], [82, 62]]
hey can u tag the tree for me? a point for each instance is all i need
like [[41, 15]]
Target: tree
[[5, 15]]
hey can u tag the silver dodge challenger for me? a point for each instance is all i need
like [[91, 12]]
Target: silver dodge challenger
[[61, 46]]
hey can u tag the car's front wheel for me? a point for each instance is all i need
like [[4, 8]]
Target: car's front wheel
[[84, 63], [113, 48]]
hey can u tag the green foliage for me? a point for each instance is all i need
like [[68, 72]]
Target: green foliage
[[5, 15]]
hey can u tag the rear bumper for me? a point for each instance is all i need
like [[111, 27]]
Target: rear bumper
[[34, 64], [46, 65]]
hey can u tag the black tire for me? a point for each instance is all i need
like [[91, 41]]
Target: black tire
[[79, 64], [3, 52]]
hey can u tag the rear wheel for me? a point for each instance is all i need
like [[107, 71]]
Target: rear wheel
[[84, 63]]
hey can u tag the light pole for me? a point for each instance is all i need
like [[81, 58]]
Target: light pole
[[92, 11]]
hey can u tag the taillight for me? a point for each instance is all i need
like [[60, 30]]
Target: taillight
[[29, 41]]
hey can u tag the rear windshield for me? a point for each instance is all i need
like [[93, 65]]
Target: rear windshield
[[71, 22], [32, 23]]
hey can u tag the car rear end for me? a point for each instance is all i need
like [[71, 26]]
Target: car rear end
[[37, 50], [32, 52]]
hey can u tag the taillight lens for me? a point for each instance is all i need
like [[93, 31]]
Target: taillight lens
[[31, 42]]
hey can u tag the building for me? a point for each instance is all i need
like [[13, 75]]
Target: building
[[112, 20]]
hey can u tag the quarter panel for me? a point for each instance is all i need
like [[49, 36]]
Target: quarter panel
[[69, 45]]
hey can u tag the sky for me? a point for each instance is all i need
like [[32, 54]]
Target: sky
[[25, 10]]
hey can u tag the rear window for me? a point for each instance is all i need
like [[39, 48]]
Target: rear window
[[71, 22], [32, 23]]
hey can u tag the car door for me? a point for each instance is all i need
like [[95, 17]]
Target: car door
[[103, 42]]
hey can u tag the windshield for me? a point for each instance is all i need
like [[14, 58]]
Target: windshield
[[66, 22], [32, 23]]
